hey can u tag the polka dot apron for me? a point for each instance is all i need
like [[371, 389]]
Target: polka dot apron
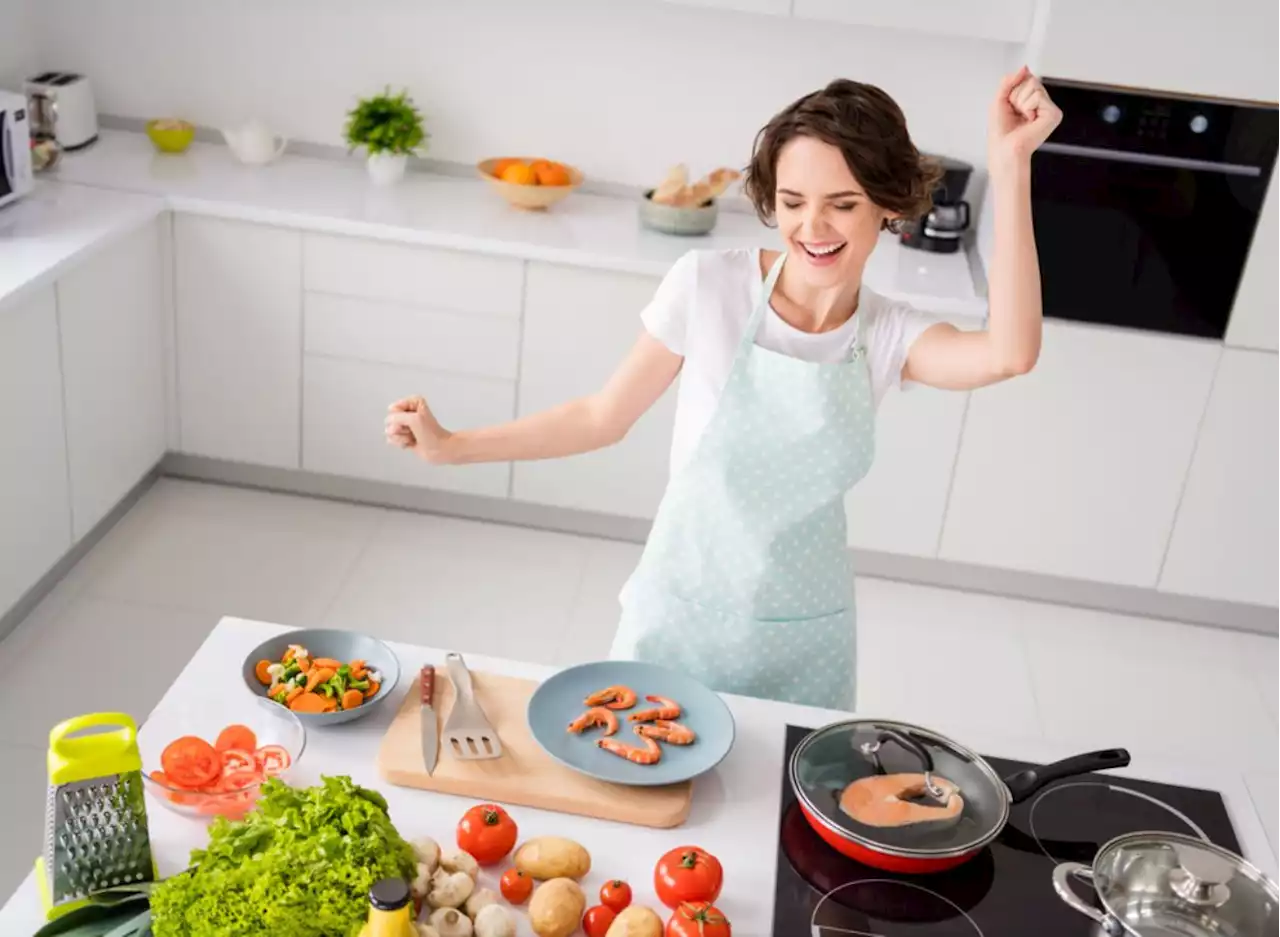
[[746, 581]]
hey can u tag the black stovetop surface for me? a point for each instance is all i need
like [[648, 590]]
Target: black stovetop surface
[[1006, 890]]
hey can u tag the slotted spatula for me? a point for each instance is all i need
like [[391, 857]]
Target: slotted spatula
[[467, 733]]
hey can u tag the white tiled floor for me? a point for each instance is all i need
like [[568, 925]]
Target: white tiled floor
[[122, 623]]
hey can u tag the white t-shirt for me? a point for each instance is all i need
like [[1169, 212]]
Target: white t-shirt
[[701, 309]]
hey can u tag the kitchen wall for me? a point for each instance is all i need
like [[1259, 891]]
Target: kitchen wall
[[621, 88], [18, 56]]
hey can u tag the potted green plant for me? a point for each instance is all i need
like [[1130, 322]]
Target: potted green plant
[[389, 127]]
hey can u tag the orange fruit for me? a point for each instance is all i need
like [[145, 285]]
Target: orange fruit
[[549, 173], [519, 174], [502, 165]]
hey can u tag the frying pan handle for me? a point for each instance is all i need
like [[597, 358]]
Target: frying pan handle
[[1025, 783], [871, 749]]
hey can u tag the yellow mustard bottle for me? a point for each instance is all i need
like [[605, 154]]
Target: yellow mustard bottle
[[390, 910]]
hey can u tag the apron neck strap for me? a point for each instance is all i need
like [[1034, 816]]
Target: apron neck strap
[[757, 314]]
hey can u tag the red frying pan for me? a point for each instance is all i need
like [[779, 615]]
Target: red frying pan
[[831, 758]]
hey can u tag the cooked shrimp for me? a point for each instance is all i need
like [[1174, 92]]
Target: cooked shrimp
[[615, 697], [673, 733], [666, 710], [595, 716], [884, 800], [649, 754]]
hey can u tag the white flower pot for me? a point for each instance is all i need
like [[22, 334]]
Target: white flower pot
[[386, 168]]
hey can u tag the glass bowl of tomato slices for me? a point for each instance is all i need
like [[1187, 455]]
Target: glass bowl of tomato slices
[[211, 761]]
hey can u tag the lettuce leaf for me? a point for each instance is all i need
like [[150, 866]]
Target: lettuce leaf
[[299, 865]]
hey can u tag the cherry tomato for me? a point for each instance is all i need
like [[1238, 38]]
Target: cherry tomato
[[687, 874], [516, 886], [273, 760], [191, 762], [236, 736], [615, 894], [487, 832], [597, 920], [698, 919]]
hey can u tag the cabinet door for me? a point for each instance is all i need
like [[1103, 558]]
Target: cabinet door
[[578, 325], [1076, 469], [1224, 541], [239, 339], [1255, 315], [35, 507], [345, 403], [109, 316]]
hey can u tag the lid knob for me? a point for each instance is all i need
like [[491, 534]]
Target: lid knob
[[1201, 877]]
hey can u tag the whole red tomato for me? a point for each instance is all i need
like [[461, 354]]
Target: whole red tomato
[[597, 920], [516, 886], [687, 874], [615, 894], [487, 832], [698, 919]]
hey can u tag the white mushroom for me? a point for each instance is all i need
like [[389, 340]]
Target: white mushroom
[[461, 862], [449, 889], [427, 851], [480, 899], [425, 930], [450, 922], [495, 921], [421, 883]]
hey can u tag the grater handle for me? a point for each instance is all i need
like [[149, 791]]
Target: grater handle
[[101, 752]]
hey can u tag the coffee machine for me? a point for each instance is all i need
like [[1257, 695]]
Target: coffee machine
[[943, 227]]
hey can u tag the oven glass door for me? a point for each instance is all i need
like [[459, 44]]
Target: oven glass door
[[1147, 242]]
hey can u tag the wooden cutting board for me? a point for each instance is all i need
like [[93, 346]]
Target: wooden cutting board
[[525, 774]]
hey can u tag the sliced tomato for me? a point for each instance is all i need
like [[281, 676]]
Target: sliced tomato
[[236, 736], [191, 762], [238, 781], [273, 760], [238, 759]]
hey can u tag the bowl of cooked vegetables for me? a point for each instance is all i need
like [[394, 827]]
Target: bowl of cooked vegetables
[[324, 677]]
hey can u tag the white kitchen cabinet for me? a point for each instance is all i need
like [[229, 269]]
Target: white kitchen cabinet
[[1224, 541], [238, 297], [35, 505], [1255, 315], [344, 406], [109, 318], [1076, 469], [771, 7], [1000, 20], [578, 326]]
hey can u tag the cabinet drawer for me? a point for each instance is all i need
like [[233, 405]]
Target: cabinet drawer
[[344, 404], [400, 273], [459, 343]]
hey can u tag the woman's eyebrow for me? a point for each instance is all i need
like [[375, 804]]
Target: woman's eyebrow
[[848, 193]]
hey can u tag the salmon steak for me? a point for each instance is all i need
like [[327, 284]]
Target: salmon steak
[[899, 800]]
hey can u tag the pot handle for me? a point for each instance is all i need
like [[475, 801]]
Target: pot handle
[[1025, 783], [1062, 874]]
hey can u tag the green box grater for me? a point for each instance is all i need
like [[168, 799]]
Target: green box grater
[[95, 821]]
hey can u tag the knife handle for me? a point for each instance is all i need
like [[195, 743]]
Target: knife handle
[[428, 684]]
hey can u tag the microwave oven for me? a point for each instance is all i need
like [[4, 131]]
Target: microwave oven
[[15, 148]]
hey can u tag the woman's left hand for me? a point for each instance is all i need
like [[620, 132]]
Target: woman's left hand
[[1022, 117]]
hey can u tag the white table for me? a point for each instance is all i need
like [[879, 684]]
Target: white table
[[735, 810]]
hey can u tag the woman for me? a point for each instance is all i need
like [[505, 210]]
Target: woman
[[745, 581]]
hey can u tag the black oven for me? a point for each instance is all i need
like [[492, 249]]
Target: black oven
[[1145, 205]]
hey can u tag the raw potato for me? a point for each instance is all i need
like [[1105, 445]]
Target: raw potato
[[549, 857], [635, 921], [556, 908]]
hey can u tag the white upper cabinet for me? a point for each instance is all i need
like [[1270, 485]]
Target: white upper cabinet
[[1076, 469], [1000, 20], [110, 318], [35, 506], [239, 340], [579, 324], [771, 7], [1224, 541]]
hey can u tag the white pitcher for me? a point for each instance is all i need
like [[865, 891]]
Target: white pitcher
[[254, 144]]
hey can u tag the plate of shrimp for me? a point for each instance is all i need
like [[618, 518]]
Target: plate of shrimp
[[629, 722]]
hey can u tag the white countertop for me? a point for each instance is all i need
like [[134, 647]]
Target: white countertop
[[734, 815], [336, 196], [57, 226]]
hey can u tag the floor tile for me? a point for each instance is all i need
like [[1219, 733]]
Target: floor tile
[[594, 619], [943, 658], [1264, 786], [98, 655], [464, 585], [21, 813]]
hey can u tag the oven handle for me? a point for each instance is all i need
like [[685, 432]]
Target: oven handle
[[1151, 159]]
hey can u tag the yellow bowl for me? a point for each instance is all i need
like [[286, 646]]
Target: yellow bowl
[[528, 197], [170, 136]]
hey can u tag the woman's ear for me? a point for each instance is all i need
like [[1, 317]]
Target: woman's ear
[[890, 221]]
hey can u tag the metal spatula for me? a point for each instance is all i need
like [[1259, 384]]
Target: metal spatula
[[467, 733]]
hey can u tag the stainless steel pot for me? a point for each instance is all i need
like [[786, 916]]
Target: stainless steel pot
[[1170, 885]]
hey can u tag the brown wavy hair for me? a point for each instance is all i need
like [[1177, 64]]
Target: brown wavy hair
[[868, 127]]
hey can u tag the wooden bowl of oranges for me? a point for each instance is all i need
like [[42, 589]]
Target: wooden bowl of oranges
[[530, 183]]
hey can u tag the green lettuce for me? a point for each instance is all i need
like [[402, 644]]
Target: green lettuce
[[299, 865]]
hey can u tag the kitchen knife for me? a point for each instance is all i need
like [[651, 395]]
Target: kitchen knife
[[430, 725]]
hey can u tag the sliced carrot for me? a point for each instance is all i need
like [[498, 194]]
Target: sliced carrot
[[308, 703], [317, 676], [288, 656], [293, 695], [374, 687], [304, 663], [260, 671], [329, 663], [330, 704], [351, 699]]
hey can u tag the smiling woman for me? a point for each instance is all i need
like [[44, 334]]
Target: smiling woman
[[745, 582]]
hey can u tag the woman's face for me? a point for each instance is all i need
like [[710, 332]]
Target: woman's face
[[823, 212]]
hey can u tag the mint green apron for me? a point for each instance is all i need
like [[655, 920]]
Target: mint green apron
[[746, 582]]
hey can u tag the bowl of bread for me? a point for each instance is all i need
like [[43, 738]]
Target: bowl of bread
[[679, 207]]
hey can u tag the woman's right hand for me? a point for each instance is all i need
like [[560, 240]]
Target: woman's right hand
[[410, 424]]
